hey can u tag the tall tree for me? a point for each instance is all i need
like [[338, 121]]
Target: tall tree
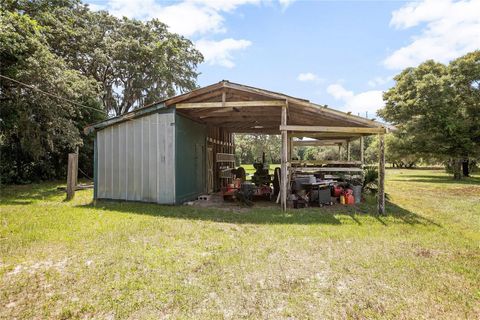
[[436, 108], [135, 62], [465, 74], [91, 58], [37, 129]]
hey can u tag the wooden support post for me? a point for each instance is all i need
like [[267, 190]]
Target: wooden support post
[[284, 156], [233, 144], [290, 148], [381, 175], [362, 155], [340, 152], [348, 150], [72, 172]]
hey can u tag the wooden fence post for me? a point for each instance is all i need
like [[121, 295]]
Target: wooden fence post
[[72, 173]]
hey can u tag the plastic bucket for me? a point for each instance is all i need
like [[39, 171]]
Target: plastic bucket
[[357, 193]]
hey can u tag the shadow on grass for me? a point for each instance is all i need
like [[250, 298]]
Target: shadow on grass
[[259, 214], [267, 215], [405, 216], [437, 179], [27, 194]]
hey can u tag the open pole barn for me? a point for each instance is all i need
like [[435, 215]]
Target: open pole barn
[[166, 152]]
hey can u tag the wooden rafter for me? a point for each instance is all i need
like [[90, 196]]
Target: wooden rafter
[[240, 115], [193, 93], [321, 129], [305, 104], [330, 135], [243, 125], [251, 130], [208, 96], [313, 143], [231, 104], [227, 112]]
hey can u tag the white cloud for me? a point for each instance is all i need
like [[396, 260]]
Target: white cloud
[[187, 17], [96, 7], [379, 81], [365, 102], [307, 76], [224, 5], [450, 29], [220, 52], [195, 19], [414, 13], [286, 3], [310, 77], [361, 103], [339, 92]]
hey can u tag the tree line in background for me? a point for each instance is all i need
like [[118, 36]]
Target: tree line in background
[[249, 149], [98, 64]]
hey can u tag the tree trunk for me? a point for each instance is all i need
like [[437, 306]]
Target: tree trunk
[[19, 163], [465, 169], [457, 168]]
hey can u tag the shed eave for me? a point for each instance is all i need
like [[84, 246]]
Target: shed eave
[[124, 117]]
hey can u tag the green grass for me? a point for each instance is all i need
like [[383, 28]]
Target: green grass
[[116, 260]]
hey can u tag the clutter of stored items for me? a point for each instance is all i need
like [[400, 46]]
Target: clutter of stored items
[[308, 187]]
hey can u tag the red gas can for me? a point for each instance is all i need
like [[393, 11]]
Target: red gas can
[[337, 191], [349, 198]]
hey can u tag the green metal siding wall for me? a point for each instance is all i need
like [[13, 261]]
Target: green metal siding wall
[[190, 167], [135, 159]]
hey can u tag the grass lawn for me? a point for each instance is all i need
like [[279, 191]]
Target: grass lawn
[[114, 260]]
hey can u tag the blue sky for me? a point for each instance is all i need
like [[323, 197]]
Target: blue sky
[[340, 53]]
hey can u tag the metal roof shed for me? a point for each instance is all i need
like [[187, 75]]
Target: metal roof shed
[[159, 153]]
